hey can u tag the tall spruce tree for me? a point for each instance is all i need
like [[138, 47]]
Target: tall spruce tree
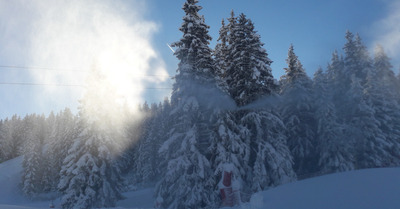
[[230, 148], [16, 138], [3, 145], [379, 95], [221, 55], [357, 61], [8, 146], [188, 181], [248, 75], [248, 78], [334, 149], [147, 155], [61, 139], [363, 128], [33, 158], [270, 158], [298, 115]]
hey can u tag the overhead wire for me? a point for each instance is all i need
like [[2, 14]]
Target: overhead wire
[[69, 70], [65, 69], [66, 85]]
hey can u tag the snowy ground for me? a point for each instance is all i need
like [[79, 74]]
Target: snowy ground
[[367, 189]]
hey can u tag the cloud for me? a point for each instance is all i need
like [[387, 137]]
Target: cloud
[[72, 36], [387, 32]]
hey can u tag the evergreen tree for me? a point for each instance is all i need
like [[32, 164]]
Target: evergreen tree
[[370, 149], [336, 75], [188, 181], [386, 110], [271, 159], [3, 146], [64, 131], [248, 75], [32, 163], [364, 60], [164, 130], [89, 176], [297, 112], [335, 152], [357, 61], [16, 139], [351, 60], [196, 63], [147, 159], [230, 148], [385, 99], [337, 84], [8, 146], [221, 56]]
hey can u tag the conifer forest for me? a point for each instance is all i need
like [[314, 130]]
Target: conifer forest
[[227, 117]]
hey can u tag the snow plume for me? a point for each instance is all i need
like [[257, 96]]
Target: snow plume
[[208, 95], [387, 32], [266, 102], [66, 38]]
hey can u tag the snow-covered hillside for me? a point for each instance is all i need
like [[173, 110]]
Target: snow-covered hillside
[[367, 189], [10, 175]]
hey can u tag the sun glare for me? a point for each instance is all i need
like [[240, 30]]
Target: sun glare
[[77, 35]]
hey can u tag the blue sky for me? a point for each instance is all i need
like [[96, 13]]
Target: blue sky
[[316, 28], [68, 37]]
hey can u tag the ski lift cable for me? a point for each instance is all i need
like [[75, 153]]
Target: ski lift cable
[[66, 85], [69, 70]]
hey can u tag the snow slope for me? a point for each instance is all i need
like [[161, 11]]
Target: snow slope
[[367, 189], [10, 194], [10, 174]]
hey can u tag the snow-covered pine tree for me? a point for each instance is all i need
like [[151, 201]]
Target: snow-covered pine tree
[[32, 163], [357, 60], [297, 112], [270, 159], [142, 145], [154, 133], [350, 59], [230, 148], [147, 153], [164, 129], [3, 145], [193, 48], [42, 133], [337, 83], [385, 98], [89, 176], [365, 63], [188, 181], [248, 75], [335, 150], [370, 145], [15, 138], [379, 96], [367, 103], [335, 75], [385, 75], [61, 139], [6, 137], [221, 55]]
